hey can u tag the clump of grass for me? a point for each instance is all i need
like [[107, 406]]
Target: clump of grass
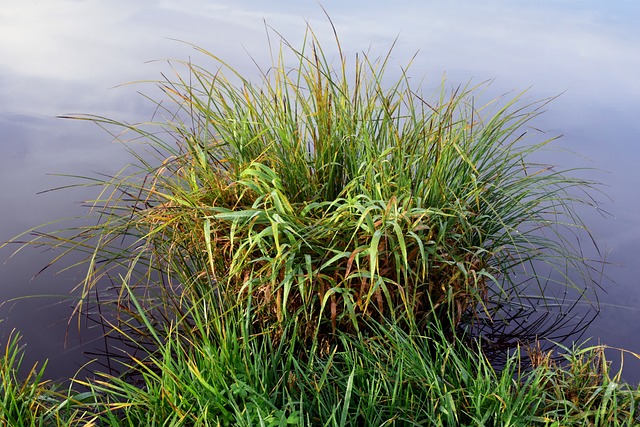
[[327, 197], [303, 250], [582, 388]]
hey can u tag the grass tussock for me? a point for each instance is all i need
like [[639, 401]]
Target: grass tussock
[[310, 248], [329, 198]]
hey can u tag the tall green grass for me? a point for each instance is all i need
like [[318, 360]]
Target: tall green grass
[[20, 398], [27, 400], [229, 376], [328, 197], [309, 249], [234, 377]]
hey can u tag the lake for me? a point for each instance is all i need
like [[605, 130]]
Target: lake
[[69, 56]]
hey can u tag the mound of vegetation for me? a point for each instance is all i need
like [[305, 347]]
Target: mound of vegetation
[[315, 248]]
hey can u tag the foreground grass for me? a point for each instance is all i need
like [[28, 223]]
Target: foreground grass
[[316, 248], [389, 378]]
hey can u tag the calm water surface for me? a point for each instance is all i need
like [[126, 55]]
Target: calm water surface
[[66, 56]]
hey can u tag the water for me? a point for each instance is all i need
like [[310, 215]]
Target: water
[[65, 56]]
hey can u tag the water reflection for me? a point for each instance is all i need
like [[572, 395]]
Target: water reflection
[[63, 56]]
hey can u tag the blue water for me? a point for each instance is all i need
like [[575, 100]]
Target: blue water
[[64, 56]]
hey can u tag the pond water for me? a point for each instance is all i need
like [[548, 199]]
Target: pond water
[[67, 56]]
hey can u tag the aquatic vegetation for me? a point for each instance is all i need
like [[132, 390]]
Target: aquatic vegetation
[[315, 248], [328, 197], [393, 378], [20, 398], [28, 400]]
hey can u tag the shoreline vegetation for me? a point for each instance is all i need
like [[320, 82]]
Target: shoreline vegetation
[[324, 247]]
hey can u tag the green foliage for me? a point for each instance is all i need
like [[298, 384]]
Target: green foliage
[[229, 377], [304, 250], [27, 400], [20, 400], [328, 197], [389, 378]]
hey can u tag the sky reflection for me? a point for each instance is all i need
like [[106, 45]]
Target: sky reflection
[[66, 56]]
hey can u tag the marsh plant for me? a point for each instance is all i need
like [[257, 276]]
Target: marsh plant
[[391, 378], [281, 239], [324, 196]]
